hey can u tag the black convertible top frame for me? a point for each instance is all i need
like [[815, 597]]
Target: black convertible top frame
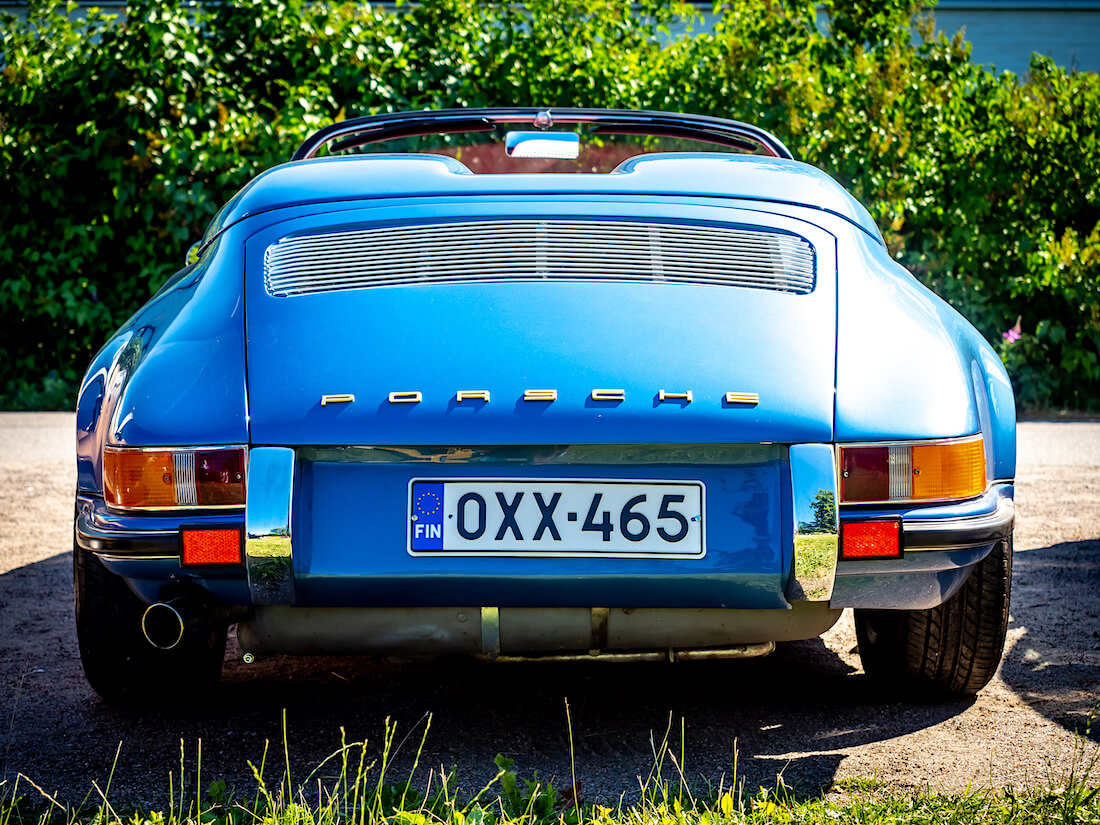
[[359, 131]]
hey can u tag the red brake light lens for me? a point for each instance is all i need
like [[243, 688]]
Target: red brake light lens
[[168, 479], [219, 477], [864, 474]]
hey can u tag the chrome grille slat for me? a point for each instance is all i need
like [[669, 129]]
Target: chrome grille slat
[[503, 250], [538, 250], [378, 248], [326, 275], [514, 262]]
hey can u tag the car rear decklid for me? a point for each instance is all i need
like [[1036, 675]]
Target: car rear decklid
[[540, 321]]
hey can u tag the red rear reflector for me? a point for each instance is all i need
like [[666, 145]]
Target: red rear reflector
[[213, 546], [870, 540]]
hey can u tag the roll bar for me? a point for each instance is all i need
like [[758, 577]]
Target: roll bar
[[359, 131]]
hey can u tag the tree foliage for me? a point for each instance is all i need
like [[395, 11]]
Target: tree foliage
[[119, 139]]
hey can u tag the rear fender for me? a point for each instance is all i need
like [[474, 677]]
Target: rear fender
[[909, 366], [174, 373]]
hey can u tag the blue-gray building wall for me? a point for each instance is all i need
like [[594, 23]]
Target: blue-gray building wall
[[1003, 33]]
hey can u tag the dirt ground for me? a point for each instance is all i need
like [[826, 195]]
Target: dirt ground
[[806, 711]]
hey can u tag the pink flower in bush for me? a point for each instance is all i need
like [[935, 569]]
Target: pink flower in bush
[[1013, 335]]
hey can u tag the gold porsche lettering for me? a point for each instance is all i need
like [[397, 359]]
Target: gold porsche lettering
[[664, 395], [540, 395], [472, 395], [608, 395], [598, 394], [742, 398], [337, 398]]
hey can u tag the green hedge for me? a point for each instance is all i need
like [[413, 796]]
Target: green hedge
[[118, 140]]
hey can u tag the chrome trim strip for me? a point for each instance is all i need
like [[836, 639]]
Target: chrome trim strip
[[495, 250], [114, 557], [269, 551], [169, 448], [814, 495], [964, 532], [189, 509], [914, 442], [127, 543], [95, 531], [608, 454]]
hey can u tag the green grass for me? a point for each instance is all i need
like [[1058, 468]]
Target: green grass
[[820, 551], [348, 788]]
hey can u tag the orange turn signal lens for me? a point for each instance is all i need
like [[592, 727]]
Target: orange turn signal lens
[[141, 479], [870, 539], [211, 546], [932, 471], [949, 470]]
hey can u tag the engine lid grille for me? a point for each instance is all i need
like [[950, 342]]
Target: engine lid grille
[[576, 250]]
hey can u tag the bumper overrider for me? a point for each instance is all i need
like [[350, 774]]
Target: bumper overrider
[[939, 545]]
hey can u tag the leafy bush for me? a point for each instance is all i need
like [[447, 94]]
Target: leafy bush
[[119, 139]]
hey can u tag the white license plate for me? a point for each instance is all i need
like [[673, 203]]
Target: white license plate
[[556, 517]]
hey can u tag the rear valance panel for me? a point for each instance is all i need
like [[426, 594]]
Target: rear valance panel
[[432, 362], [343, 558]]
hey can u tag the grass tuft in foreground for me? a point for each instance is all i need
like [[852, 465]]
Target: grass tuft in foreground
[[351, 788]]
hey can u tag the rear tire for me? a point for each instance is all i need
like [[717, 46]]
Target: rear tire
[[120, 665], [952, 649]]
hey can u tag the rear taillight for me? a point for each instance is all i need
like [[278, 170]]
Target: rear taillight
[[170, 479], [928, 471]]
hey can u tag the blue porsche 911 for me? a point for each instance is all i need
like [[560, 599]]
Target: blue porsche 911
[[530, 384]]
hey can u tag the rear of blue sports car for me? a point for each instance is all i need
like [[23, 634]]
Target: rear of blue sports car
[[403, 405]]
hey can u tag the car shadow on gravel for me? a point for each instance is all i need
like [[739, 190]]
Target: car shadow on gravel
[[793, 713], [1055, 664]]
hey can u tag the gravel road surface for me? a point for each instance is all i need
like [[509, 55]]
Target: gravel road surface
[[806, 711]]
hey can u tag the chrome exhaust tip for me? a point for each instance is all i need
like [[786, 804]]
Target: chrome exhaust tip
[[163, 625]]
